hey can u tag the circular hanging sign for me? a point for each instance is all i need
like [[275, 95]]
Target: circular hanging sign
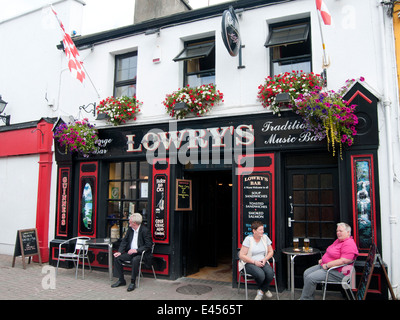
[[230, 31]]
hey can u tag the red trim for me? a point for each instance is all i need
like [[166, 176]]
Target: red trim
[[361, 94], [31, 140], [43, 204], [166, 174], [93, 175], [165, 272], [354, 159], [266, 170]]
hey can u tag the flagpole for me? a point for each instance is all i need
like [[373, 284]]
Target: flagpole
[[325, 62], [98, 95], [81, 63]]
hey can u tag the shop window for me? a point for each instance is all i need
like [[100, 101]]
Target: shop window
[[199, 62], [290, 47], [127, 193], [125, 75]]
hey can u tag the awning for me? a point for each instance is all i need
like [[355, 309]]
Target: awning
[[195, 51], [287, 35]]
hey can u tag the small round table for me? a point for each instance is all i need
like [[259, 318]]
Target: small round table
[[105, 242], [291, 255]]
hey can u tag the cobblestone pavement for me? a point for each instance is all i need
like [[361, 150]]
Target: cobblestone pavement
[[38, 282], [32, 290]]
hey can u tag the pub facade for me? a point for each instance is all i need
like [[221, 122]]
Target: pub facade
[[240, 169], [199, 182]]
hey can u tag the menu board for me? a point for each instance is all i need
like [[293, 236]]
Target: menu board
[[255, 200], [183, 200], [367, 274], [256, 194], [26, 245], [160, 181], [373, 257], [160, 201]]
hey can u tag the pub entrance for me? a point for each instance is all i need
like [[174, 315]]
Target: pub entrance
[[207, 229], [312, 203]]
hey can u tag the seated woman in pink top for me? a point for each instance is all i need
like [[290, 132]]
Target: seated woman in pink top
[[342, 251]]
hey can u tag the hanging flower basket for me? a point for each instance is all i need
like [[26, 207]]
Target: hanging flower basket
[[192, 100], [119, 110], [80, 137], [292, 83], [328, 116]]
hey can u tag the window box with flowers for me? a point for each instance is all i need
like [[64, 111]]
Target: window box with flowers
[[80, 137], [119, 110], [291, 83], [192, 100]]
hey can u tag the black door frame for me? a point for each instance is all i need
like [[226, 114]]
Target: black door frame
[[196, 229]]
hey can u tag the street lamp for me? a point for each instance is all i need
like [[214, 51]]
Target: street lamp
[[5, 118]]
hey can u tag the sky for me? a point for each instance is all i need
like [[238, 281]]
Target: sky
[[96, 13]]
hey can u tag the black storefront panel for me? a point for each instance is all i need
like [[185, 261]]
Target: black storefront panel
[[253, 147]]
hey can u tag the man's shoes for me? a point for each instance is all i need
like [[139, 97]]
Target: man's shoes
[[118, 284], [131, 287]]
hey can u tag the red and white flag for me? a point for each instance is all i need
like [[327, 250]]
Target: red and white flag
[[323, 9], [74, 63]]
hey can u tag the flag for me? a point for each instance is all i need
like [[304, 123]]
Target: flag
[[323, 9], [74, 63]]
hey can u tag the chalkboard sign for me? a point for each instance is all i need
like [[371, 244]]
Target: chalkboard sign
[[367, 274], [26, 245], [183, 201], [373, 256]]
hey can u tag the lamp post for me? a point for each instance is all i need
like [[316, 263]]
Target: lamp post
[[5, 118]]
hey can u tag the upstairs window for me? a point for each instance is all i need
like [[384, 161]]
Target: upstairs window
[[125, 75], [199, 62], [290, 47]]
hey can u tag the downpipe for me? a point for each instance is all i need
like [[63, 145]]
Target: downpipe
[[387, 105]]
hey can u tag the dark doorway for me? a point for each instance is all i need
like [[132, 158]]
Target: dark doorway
[[207, 235]]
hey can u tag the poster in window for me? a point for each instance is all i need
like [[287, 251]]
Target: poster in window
[[87, 199], [363, 201]]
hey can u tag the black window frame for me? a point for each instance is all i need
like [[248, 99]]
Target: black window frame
[[127, 82], [206, 48], [139, 201], [303, 39]]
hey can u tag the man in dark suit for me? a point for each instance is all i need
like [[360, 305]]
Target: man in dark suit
[[137, 239]]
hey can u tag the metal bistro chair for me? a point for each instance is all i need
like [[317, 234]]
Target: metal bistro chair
[[80, 252], [248, 277], [346, 282], [129, 264]]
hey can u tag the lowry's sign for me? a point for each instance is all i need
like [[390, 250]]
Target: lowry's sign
[[227, 136]]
